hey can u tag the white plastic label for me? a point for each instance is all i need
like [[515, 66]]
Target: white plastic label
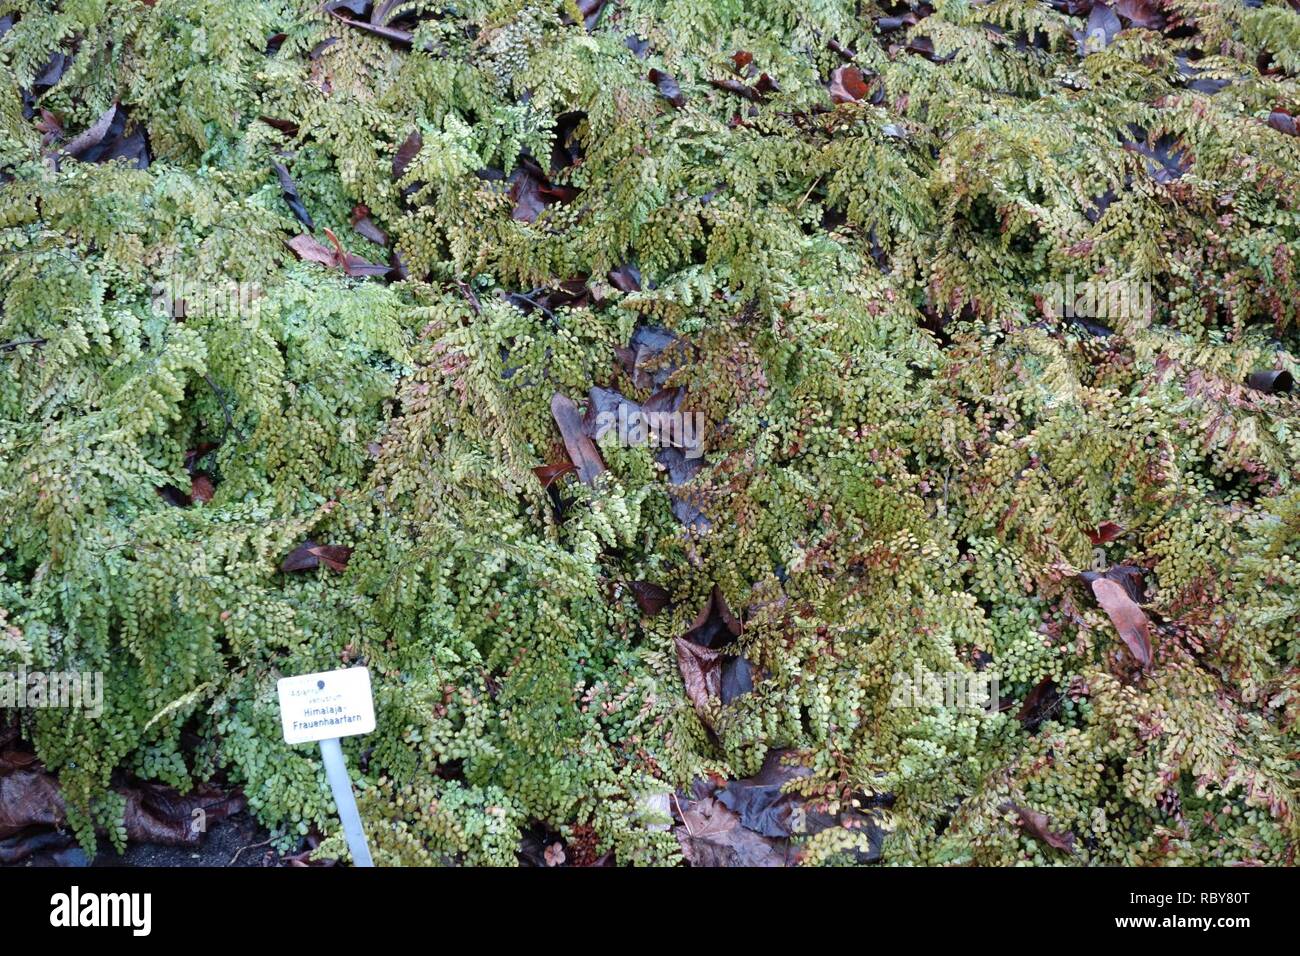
[[324, 705]]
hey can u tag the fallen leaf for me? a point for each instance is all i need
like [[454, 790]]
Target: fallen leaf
[[201, 487], [287, 127], [1104, 532], [107, 139], [1037, 826], [582, 451], [309, 555], [715, 625], [731, 85], [309, 248], [1041, 701], [666, 83], [531, 191], [762, 803], [1141, 13], [737, 678], [290, 192], [366, 227], [711, 836], [1283, 122], [1103, 26], [409, 149], [847, 85], [650, 598], [547, 474], [701, 671], [626, 278], [1129, 619]]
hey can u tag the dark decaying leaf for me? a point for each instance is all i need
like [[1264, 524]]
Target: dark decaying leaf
[[1271, 381], [715, 625], [626, 278], [309, 555], [1040, 703], [701, 670], [547, 474], [319, 49], [49, 77], [1141, 13], [30, 798], [1194, 80], [1104, 532], [409, 149], [365, 226], [682, 469], [1129, 619], [27, 845], [160, 815], [290, 192], [847, 85], [107, 139], [666, 83], [287, 127], [310, 249], [1167, 159], [1103, 26], [1283, 122], [652, 356], [650, 598], [737, 678], [358, 7], [531, 191], [711, 836], [763, 806], [1130, 578], [742, 60], [591, 10], [732, 85], [566, 147], [640, 48], [582, 452], [603, 406], [1036, 825]]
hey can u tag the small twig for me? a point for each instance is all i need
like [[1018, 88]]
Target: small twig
[[470, 297], [251, 846], [225, 409], [10, 346], [808, 193], [686, 823]]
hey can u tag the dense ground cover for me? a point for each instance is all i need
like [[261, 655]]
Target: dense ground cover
[[988, 312]]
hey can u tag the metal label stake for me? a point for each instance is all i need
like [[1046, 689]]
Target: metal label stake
[[324, 707]]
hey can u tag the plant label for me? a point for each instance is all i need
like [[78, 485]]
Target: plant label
[[326, 704]]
